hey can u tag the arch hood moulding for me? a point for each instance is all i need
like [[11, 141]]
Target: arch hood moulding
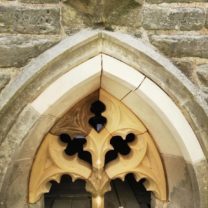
[[76, 49], [146, 82]]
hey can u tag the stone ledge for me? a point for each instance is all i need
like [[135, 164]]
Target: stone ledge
[[16, 19], [173, 18], [181, 45], [18, 50]]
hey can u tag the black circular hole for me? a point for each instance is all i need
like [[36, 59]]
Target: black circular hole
[[65, 138], [130, 138], [97, 107]]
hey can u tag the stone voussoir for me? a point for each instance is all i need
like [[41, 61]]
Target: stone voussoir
[[27, 20], [182, 45], [173, 18], [16, 51]]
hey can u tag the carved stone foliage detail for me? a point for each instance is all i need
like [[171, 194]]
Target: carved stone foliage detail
[[143, 159]]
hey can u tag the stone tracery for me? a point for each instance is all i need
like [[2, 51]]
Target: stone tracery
[[143, 160]]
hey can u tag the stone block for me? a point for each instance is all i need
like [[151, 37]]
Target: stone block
[[99, 14], [173, 1], [14, 193], [40, 1], [29, 20], [18, 50], [186, 66], [179, 182], [123, 13], [173, 18], [182, 45]]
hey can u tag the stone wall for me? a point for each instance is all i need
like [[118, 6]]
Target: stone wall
[[178, 28]]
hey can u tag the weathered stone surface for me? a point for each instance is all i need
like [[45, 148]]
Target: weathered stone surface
[[29, 20], [201, 169], [206, 23], [202, 72], [173, 1], [182, 45], [4, 80], [98, 14], [179, 182], [72, 20], [123, 13], [173, 18], [186, 66], [16, 185], [39, 1], [17, 50]]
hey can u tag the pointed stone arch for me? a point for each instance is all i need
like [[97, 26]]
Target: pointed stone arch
[[28, 110]]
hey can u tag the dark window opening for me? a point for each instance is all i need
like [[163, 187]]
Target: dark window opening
[[75, 146], [67, 194], [120, 146], [128, 194]]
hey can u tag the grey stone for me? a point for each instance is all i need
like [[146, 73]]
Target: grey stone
[[206, 23], [29, 20], [18, 50], [4, 80], [40, 1], [182, 45], [123, 13], [179, 182], [187, 67], [173, 1], [16, 184], [26, 119], [173, 18], [201, 169], [202, 72], [98, 14]]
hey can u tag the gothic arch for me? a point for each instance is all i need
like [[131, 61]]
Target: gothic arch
[[157, 88]]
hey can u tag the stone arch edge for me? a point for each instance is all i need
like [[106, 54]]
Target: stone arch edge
[[103, 40], [130, 50]]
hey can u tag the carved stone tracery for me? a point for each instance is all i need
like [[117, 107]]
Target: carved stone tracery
[[143, 160]]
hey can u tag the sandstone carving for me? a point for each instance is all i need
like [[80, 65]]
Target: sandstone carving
[[143, 161]]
